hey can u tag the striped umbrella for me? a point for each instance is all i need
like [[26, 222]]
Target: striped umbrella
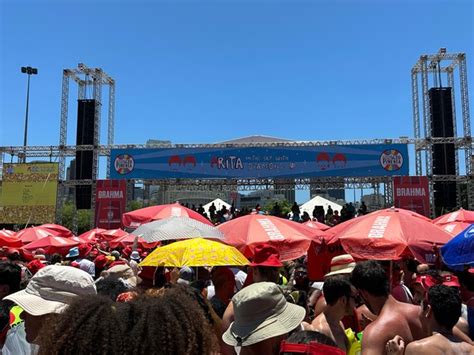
[[173, 228]]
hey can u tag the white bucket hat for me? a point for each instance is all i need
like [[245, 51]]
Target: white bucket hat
[[52, 289], [261, 312]]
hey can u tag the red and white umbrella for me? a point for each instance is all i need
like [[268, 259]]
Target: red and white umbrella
[[316, 225], [389, 234], [93, 235], [58, 230], [79, 240], [136, 218], [111, 234], [127, 240], [455, 222], [32, 234], [7, 233], [52, 244], [9, 241], [292, 239]]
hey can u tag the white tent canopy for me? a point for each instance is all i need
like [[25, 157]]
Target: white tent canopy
[[218, 203], [319, 201]]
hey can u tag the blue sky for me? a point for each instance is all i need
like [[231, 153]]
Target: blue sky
[[208, 71]]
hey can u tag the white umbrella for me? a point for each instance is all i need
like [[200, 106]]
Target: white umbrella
[[173, 228]]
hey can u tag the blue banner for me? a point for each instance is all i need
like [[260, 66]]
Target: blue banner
[[260, 162]]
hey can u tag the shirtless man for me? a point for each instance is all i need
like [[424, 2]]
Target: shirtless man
[[438, 315], [393, 317], [340, 298]]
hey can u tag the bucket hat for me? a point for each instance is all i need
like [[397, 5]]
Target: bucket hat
[[261, 312], [73, 253], [266, 255], [52, 289]]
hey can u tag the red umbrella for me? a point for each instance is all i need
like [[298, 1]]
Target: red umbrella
[[388, 234], [9, 241], [7, 233], [127, 240], [32, 234], [80, 240], [338, 228], [52, 244], [455, 222], [148, 214], [111, 234], [317, 225], [92, 236], [290, 238], [58, 230]]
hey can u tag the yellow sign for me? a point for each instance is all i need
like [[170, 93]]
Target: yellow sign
[[29, 193]]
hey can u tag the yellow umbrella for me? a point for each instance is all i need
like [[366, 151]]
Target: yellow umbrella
[[195, 252]]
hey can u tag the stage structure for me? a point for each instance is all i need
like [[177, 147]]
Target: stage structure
[[96, 78], [438, 141], [380, 184], [86, 79]]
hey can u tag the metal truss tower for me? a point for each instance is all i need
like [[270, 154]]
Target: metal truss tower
[[86, 79], [433, 66]]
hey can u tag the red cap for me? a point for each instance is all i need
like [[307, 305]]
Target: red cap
[[266, 255], [100, 261], [126, 252], [35, 265], [426, 281], [84, 250], [451, 281]]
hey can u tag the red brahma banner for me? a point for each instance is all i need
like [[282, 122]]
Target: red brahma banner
[[110, 203], [412, 193]]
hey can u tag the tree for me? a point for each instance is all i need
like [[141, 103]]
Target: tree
[[134, 205], [285, 207], [83, 218]]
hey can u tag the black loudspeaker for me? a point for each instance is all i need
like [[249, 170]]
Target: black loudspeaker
[[84, 136], [444, 197], [443, 155]]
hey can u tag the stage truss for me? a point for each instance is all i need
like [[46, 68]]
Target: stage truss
[[436, 66], [96, 78]]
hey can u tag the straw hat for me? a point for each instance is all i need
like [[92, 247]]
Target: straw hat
[[341, 264], [261, 312]]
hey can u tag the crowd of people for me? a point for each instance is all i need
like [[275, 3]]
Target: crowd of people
[[102, 301], [329, 216]]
